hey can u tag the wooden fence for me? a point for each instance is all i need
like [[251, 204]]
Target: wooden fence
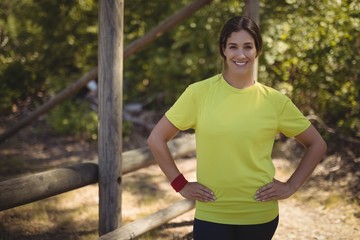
[[112, 162], [27, 189]]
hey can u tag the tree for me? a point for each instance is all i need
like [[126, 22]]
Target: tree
[[310, 52], [44, 45]]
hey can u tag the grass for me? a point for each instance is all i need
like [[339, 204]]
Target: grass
[[70, 214]]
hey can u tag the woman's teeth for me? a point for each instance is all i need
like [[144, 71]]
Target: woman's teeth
[[240, 63]]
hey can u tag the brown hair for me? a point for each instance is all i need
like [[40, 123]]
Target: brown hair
[[236, 24]]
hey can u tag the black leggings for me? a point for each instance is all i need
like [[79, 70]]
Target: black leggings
[[204, 230]]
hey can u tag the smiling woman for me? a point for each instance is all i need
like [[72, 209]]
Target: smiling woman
[[240, 43], [236, 121], [240, 54]]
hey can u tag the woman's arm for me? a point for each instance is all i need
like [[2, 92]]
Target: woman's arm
[[163, 132], [314, 152]]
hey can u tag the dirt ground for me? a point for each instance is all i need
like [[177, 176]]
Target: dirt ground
[[309, 214], [324, 208]]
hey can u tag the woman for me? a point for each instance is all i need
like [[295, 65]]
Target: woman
[[236, 120]]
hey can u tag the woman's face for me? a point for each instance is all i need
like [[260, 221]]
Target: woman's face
[[240, 52]]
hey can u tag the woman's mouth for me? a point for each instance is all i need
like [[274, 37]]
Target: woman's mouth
[[240, 63]]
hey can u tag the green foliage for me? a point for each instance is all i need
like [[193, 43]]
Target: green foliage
[[313, 48], [74, 118], [311, 52], [184, 55], [78, 119], [44, 43]]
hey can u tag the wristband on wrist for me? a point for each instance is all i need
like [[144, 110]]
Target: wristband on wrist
[[179, 183]]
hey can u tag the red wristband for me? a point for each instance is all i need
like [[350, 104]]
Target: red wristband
[[179, 183]]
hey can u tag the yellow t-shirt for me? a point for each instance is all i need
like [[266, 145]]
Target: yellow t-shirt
[[235, 131]]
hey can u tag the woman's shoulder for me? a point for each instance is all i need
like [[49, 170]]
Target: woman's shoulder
[[271, 92], [205, 84], [274, 96]]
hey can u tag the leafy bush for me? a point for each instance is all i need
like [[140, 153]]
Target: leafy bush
[[74, 118]]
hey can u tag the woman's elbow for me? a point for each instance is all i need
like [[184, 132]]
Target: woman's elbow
[[151, 139], [155, 139]]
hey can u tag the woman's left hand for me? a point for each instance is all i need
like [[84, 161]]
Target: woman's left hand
[[275, 190]]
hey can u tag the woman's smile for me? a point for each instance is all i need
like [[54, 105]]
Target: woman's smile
[[240, 63]]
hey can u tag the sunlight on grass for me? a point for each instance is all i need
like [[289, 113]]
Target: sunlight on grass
[[75, 211]]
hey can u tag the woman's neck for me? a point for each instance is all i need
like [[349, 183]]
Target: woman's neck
[[239, 81]]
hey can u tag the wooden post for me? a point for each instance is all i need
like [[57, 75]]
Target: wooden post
[[110, 113], [252, 11]]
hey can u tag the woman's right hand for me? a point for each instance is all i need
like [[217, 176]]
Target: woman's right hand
[[198, 192]]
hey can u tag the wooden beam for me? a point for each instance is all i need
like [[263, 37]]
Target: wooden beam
[[19, 191], [111, 25], [140, 158], [34, 187], [135, 46], [141, 226]]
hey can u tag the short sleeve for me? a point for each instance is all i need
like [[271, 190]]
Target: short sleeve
[[183, 113], [291, 121]]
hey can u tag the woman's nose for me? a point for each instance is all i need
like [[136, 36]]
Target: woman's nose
[[240, 53]]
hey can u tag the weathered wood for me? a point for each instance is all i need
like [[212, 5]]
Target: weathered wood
[[135, 46], [140, 158], [252, 11], [141, 226], [111, 24], [23, 190], [19, 191]]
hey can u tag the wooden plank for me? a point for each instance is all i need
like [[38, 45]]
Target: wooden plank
[[141, 226], [111, 24], [23, 190]]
